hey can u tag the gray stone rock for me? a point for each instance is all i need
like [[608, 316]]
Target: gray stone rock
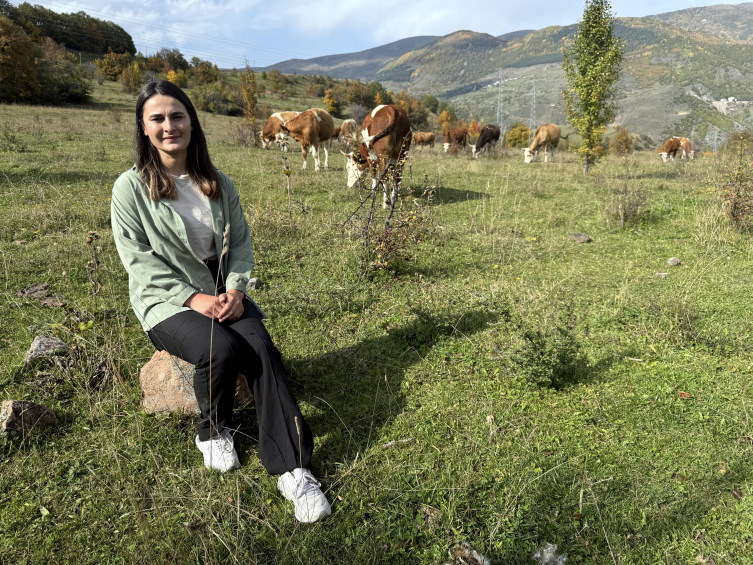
[[662, 275], [20, 242], [167, 384], [579, 237], [36, 291], [42, 347], [19, 417], [51, 302], [674, 262], [253, 283]]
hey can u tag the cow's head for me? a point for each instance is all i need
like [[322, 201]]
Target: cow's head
[[528, 155], [265, 143], [691, 155], [446, 146], [473, 151], [354, 167], [664, 156]]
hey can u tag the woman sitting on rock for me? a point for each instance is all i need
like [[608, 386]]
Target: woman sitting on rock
[[185, 243]]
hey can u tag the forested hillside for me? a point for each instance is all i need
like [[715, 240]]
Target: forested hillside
[[78, 31]]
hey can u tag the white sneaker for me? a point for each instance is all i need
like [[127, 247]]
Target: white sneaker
[[219, 452], [304, 490]]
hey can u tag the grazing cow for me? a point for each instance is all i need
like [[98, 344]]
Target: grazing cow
[[349, 132], [669, 150], [422, 138], [687, 149], [312, 129], [546, 137], [488, 137], [384, 140], [459, 136], [272, 129]]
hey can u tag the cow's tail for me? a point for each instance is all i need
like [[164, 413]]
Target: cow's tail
[[385, 132]]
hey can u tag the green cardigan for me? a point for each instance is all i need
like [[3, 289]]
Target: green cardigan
[[163, 271]]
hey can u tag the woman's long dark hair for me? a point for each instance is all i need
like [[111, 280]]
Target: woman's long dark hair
[[148, 162]]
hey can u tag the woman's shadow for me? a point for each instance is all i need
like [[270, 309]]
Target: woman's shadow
[[358, 390]]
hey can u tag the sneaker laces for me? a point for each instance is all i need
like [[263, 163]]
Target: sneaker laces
[[224, 441], [306, 485]]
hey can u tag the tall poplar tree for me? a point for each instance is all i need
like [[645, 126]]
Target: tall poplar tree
[[592, 67]]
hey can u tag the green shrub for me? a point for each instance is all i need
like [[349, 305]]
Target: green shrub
[[61, 79], [18, 76], [734, 181], [517, 136], [547, 351], [218, 99], [621, 143]]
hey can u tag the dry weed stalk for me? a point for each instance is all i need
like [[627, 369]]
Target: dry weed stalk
[[735, 186], [225, 249]]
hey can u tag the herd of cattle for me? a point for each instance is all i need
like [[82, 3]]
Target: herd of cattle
[[385, 136]]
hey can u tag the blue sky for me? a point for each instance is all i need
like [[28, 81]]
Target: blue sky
[[268, 31]]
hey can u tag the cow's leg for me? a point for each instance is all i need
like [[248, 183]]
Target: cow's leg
[[315, 152], [326, 146], [304, 154], [554, 152]]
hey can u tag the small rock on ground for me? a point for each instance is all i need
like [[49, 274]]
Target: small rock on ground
[[50, 302], [20, 242], [253, 283], [44, 346], [36, 291], [674, 262], [20, 417], [661, 275], [580, 237]]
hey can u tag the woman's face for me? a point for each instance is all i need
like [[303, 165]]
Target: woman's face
[[167, 125]]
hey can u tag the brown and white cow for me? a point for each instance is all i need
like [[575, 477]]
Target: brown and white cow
[[423, 138], [458, 135], [272, 129], [384, 140], [349, 132], [313, 129], [546, 137], [687, 149], [669, 150], [488, 137]]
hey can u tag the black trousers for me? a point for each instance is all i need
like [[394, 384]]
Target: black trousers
[[241, 346]]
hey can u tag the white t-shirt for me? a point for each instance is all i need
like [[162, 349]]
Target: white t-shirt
[[192, 206]]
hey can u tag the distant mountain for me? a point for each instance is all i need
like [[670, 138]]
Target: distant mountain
[[459, 58], [515, 34], [734, 22], [674, 79], [361, 65], [686, 72]]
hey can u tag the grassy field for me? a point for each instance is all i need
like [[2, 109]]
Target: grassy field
[[632, 458]]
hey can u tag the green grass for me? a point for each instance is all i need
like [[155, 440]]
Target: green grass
[[430, 349]]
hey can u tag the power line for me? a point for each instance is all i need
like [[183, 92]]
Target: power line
[[140, 22]]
